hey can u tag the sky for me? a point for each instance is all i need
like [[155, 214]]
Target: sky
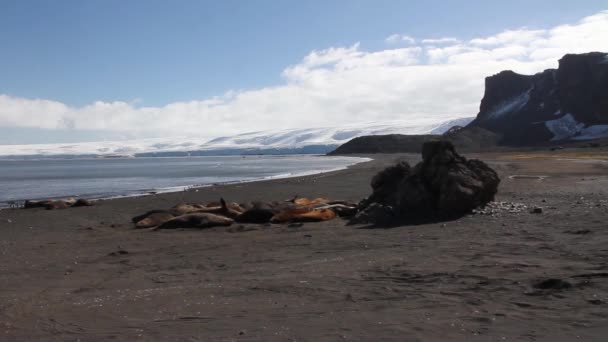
[[75, 70]]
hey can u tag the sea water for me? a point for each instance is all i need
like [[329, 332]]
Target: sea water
[[111, 177]]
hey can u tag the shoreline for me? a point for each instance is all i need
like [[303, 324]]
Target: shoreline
[[158, 191]]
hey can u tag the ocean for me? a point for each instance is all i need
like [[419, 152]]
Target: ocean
[[114, 177]]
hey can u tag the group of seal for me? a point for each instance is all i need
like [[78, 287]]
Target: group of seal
[[57, 204], [217, 214]]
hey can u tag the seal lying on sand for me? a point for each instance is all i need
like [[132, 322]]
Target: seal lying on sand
[[196, 215], [303, 215], [152, 218], [57, 204], [196, 220], [231, 210]]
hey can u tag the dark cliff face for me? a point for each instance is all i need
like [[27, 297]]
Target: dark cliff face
[[557, 104], [583, 86]]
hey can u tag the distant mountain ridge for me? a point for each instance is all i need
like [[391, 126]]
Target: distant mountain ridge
[[567, 103], [294, 141]]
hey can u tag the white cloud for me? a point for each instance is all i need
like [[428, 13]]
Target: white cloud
[[335, 86], [439, 41], [400, 38]]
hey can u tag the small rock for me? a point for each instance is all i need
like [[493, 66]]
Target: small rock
[[295, 225], [578, 232], [553, 284], [118, 252], [537, 210]]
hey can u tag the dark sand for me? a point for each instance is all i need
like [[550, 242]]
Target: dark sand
[[85, 274]]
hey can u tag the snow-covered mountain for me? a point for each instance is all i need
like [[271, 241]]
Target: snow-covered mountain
[[294, 141]]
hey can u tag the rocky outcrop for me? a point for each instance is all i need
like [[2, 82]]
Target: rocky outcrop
[[465, 139], [568, 103], [443, 185]]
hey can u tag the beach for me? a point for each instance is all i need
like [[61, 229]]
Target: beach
[[84, 274]]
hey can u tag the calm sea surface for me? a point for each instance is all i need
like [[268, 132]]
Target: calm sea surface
[[100, 178]]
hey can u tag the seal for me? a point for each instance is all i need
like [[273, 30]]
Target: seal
[[223, 209], [197, 220], [303, 215], [259, 212], [57, 204], [152, 218]]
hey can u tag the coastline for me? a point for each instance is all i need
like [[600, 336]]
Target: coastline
[[156, 191]]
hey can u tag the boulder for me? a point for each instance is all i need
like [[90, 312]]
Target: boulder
[[443, 185]]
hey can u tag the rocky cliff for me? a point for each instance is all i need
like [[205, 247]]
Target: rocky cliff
[[568, 103]]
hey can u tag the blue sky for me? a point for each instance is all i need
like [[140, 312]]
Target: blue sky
[[159, 52], [155, 53]]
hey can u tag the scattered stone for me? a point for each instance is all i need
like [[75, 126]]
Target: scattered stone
[[119, 252], [537, 210], [295, 225], [374, 213], [497, 208]]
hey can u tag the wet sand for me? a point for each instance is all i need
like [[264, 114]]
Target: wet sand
[[84, 274]]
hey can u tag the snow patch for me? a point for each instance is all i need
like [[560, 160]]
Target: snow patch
[[564, 127], [511, 105], [444, 127], [567, 127], [307, 139], [593, 132]]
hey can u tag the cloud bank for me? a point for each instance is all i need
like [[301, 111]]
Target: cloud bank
[[436, 80]]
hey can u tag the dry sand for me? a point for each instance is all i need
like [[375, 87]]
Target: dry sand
[[85, 274]]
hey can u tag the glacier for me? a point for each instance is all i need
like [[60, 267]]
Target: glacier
[[292, 141]]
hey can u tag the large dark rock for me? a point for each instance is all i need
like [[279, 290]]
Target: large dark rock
[[557, 104], [443, 185]]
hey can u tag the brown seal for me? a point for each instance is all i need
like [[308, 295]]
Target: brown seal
[[152, 218], [303, 215]]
